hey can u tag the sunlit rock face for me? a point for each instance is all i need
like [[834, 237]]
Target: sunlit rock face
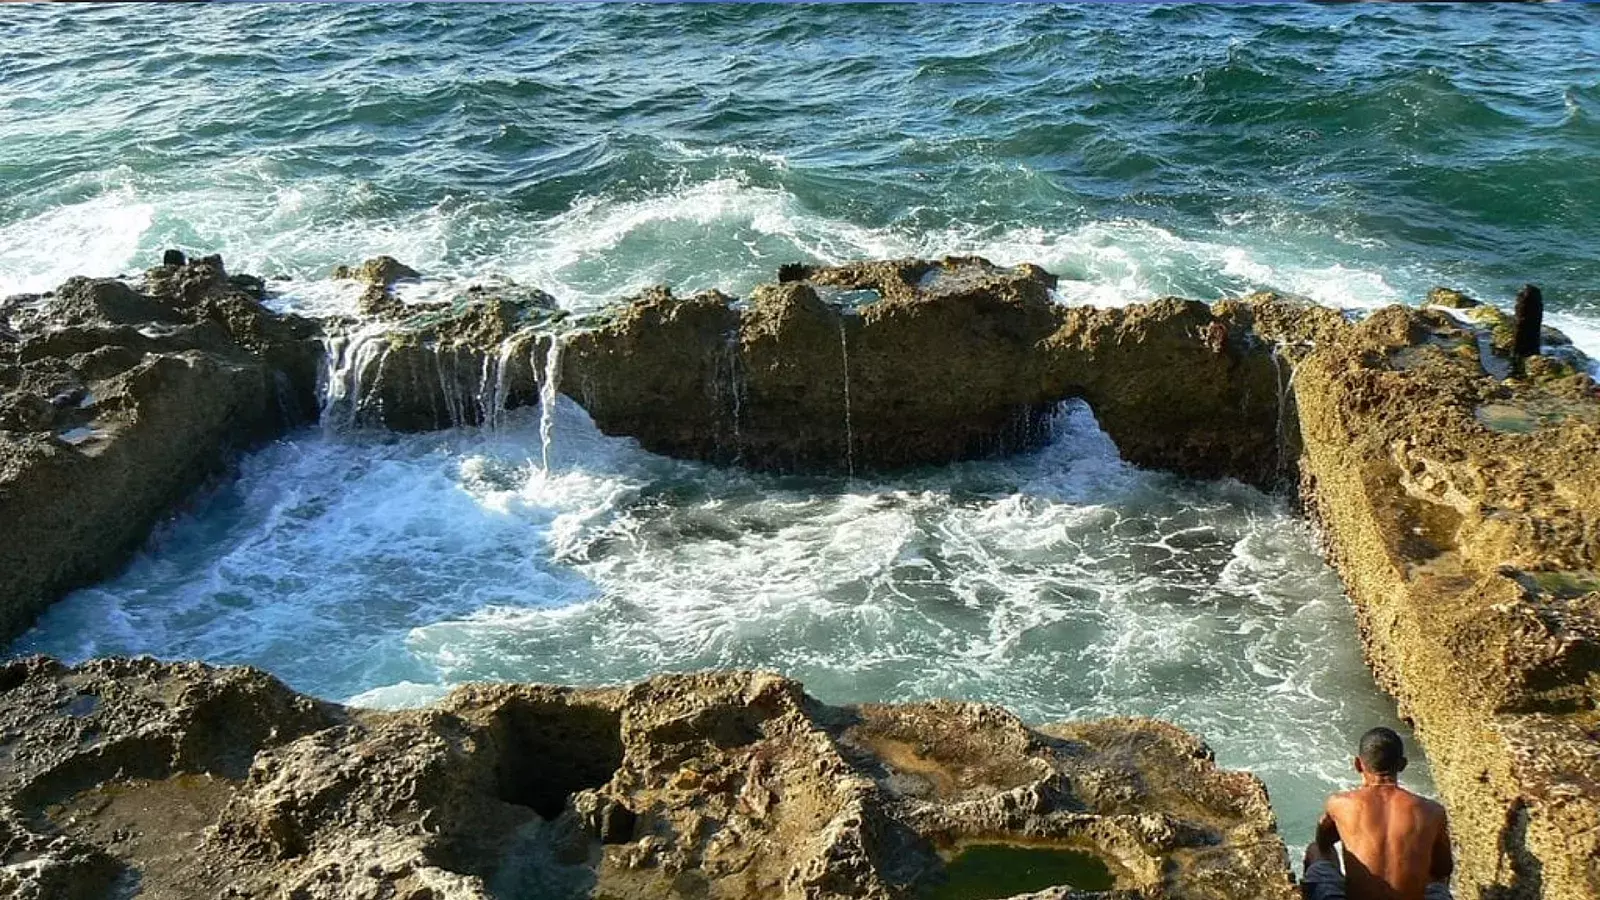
[[1462, 509], [197, 782]]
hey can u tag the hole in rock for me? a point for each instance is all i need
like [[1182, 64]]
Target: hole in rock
[[995, 870], [551, 750]]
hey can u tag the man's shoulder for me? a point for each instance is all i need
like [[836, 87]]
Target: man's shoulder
[[1433, 807], [1342, 798]]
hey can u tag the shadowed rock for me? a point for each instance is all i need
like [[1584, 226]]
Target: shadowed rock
[[194, 782], [911, 362], [116, 401]]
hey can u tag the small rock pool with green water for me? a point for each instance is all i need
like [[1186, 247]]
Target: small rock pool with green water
[[993, 871]]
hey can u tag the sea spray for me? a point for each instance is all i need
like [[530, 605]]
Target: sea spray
[[1063, 583], [346, 359], [497, 403], [1284, 386], [734, 384]]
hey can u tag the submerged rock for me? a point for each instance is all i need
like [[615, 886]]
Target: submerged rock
[[194, 782], [115, 401]]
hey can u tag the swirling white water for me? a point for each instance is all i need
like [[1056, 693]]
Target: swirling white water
[[381, 569]]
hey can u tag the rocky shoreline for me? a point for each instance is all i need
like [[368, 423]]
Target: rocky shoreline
[[189, 781], [1461, 508]]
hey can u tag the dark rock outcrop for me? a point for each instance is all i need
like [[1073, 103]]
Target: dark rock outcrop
[[870, 366], [192, 782], [442, 365], [115, 401]]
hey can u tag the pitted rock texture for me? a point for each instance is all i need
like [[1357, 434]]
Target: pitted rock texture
[[184, 781], [116, 400], [1463, 511]]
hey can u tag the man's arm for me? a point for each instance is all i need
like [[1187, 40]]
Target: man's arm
[[1327, 832], [1443, 862]]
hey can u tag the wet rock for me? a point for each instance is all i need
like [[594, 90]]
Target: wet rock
[[910, 362], [1452, 298], [116, 401], [442, 365], [1463, 513], [380, 274], [173, 258], [381, 271], [875, 365], [195, 782]]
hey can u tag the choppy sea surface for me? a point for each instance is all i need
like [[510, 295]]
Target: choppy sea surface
[[1354, 154]]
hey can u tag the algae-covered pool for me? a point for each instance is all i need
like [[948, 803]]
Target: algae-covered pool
[[982, 871]]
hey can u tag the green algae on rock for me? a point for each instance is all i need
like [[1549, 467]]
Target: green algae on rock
[[993, 871]]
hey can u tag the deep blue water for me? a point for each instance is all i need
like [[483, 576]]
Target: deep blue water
[[1358, 154]]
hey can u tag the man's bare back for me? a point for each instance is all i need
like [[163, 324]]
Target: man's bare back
[[1396, 844]]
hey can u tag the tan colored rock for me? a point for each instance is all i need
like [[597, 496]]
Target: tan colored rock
[[203, 783], [1463, 513]]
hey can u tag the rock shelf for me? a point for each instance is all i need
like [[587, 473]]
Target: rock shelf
[[185, 781]]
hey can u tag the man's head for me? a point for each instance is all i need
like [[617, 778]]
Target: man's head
[[1381, 753]]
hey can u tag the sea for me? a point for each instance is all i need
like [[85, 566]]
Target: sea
[[1354, 154]]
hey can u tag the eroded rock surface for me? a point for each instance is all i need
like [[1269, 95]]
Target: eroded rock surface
[[193, 782], [1463, 512], [118, 399], [865, 366]]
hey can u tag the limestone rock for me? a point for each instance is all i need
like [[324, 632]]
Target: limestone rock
[[200, 783], [1463, 512]]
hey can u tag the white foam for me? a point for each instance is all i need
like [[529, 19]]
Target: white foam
[[97, 238], [1063, 583], [723, 233]]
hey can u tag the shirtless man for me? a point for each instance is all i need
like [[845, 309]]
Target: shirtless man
[[1396, 844]]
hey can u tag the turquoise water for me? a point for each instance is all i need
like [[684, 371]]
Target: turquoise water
[[1356, 154]]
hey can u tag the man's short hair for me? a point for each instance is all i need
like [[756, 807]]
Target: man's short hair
[[1382, 752]]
